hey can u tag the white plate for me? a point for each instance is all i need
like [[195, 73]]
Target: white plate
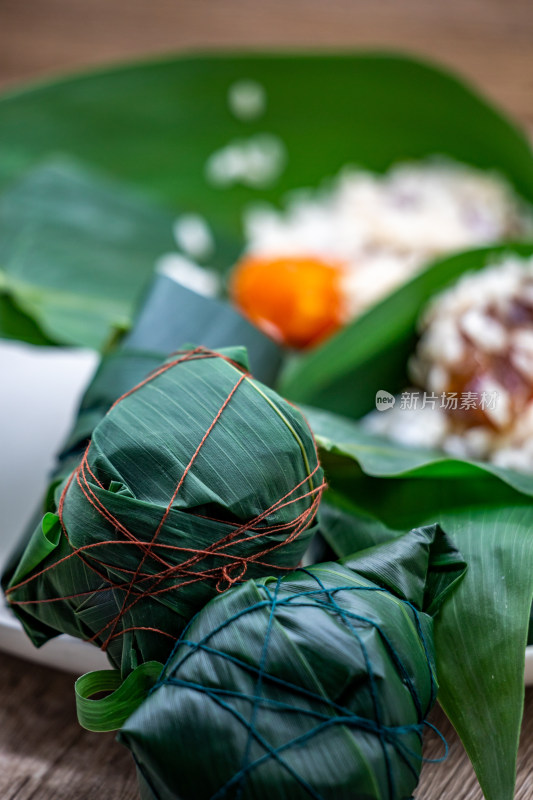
[[39, 395]]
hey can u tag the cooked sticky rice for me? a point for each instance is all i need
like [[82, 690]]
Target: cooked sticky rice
[[475, 347]]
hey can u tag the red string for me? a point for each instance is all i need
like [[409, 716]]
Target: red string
[[143, 584]]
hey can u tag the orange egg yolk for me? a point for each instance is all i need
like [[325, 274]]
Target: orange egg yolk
[[295, 300]]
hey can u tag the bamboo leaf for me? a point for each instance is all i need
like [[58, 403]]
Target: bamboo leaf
[[154, 124], [380, 457], [76, 254], [480, 639], [481, 633], [110, 712]]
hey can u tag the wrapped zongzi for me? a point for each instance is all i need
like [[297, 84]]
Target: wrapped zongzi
[[198, 477], [315, 684]]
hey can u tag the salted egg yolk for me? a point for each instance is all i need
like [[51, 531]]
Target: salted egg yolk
[[297, 300]]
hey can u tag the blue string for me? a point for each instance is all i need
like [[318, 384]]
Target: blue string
[[368, 663], [333, 714], [257, 693]]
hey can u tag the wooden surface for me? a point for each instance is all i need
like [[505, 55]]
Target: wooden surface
[[43, 753]]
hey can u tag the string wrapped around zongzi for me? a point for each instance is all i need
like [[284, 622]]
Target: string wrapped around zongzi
[[169, 315], [198, 477], [315, 684]]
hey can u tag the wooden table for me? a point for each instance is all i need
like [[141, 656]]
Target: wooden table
[[44, 755]]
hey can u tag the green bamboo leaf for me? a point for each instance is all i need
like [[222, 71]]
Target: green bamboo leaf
[[381, 457], [480, 639], [110, 712], [76, 254], [45, 541], [16, 324], [156, 123], [481, 633]]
